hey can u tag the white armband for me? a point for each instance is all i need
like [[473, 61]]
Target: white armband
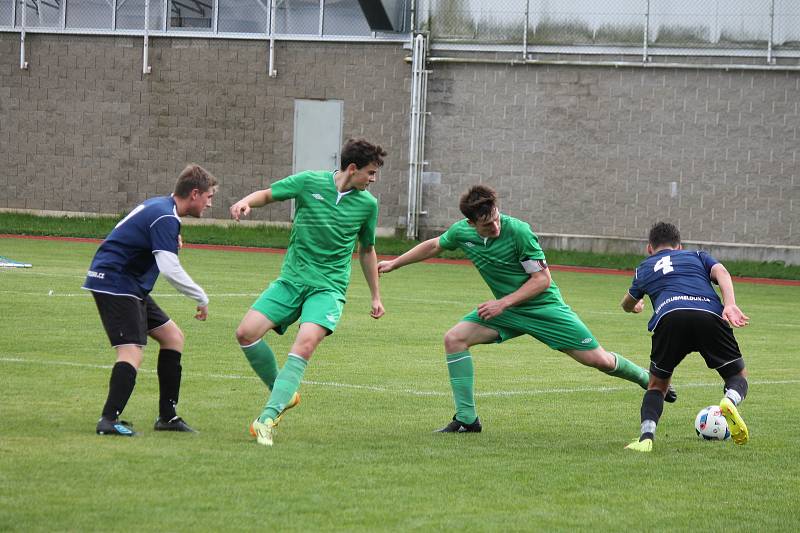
[[171, 268], [532, 266]]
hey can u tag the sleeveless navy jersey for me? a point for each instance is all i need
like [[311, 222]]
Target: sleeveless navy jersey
[[676, 279], [124, 264]]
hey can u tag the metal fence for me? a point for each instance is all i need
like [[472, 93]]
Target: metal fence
[[749, 27], [223, 18]]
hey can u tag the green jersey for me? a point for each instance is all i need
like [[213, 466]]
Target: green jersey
[[502, 261], [326, 225]]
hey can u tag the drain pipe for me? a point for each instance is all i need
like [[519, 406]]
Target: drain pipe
[[416, 137], [22, 63], [146, 69]]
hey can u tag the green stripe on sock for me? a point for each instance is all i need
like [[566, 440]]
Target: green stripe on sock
[[286, 384], [263, 361], [462, 381], [629, 371]]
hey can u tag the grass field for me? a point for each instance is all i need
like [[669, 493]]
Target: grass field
[[358, 454]]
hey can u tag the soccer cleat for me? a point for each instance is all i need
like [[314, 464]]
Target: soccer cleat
[[645, 445], [294, 403], [264, 431], [175, 423], [455, 426], [736, 425], [107, 426], [671, 394]]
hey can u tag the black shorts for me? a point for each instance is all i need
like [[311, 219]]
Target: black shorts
[[682, 332], [128, 320]]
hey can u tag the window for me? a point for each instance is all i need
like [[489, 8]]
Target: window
[[6, 12], [344, 17], [130, 14], [297, 17], [243, 16], [93, 14], [40, 13], [190, 14]]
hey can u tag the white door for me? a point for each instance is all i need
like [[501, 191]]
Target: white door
[[317, 135]]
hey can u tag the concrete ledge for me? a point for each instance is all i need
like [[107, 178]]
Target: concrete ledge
[[186, 221], [724, 251]]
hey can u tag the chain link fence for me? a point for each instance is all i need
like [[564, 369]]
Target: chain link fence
[[227, 17], [563, 24]]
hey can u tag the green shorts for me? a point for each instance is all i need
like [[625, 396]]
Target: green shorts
[[555, 325], [283, 302]]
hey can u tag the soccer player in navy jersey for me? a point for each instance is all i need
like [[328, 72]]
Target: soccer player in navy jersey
[[687, 317], [121, 276]]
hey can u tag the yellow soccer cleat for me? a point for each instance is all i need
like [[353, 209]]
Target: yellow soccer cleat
[[736, 425], [645, 445], [294, 403], [264, 431]]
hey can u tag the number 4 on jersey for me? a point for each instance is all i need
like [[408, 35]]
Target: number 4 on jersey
[[664, 265]]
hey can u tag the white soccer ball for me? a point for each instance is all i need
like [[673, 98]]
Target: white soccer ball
[[710, 424]]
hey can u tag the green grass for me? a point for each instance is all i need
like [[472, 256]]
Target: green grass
[[358, 454], [277, 237]]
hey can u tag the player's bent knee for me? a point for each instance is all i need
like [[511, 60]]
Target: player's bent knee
[[454, 343], [245, 337]]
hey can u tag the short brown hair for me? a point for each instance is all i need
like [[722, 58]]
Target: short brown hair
[[478, 202], [664, 233], [362, 153], [193, 177]]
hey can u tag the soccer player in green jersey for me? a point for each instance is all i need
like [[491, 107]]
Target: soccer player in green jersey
[[334, 210], [507, 255]]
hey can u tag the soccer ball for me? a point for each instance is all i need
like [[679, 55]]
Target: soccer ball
[[710, 424]]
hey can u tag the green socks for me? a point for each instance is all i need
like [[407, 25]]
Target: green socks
[[630, 371], [286, 384], [263, 361], [462, 381]]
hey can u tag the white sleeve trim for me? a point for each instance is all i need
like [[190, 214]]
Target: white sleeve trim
[[171, 268]]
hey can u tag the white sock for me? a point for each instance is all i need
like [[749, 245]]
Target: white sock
[[733, 396]]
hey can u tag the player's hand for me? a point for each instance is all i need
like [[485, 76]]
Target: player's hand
[[734, 316], [385, 266], [202, 312], [491, 309], [240, 209], [377, 309], [639, 307]]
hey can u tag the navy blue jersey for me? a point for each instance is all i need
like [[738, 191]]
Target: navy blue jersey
[[676, 279], [124, 264]]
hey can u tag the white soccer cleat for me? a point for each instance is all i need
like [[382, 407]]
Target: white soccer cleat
[[264, 431]]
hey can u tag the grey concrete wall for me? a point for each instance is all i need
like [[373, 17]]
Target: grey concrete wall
[[573, 150], [84, 130], [594, 150]]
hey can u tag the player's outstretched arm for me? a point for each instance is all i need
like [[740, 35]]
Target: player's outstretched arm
[[369, 265], [254, 199], [422, 251], [730, 312], [170, 267]]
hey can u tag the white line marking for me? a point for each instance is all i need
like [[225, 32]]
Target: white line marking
[[386, 390]]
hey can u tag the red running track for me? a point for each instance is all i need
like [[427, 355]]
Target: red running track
[[252, 249]]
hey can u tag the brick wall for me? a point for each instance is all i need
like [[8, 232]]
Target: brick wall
[[84, 130], [573, 150], [595, 150]]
